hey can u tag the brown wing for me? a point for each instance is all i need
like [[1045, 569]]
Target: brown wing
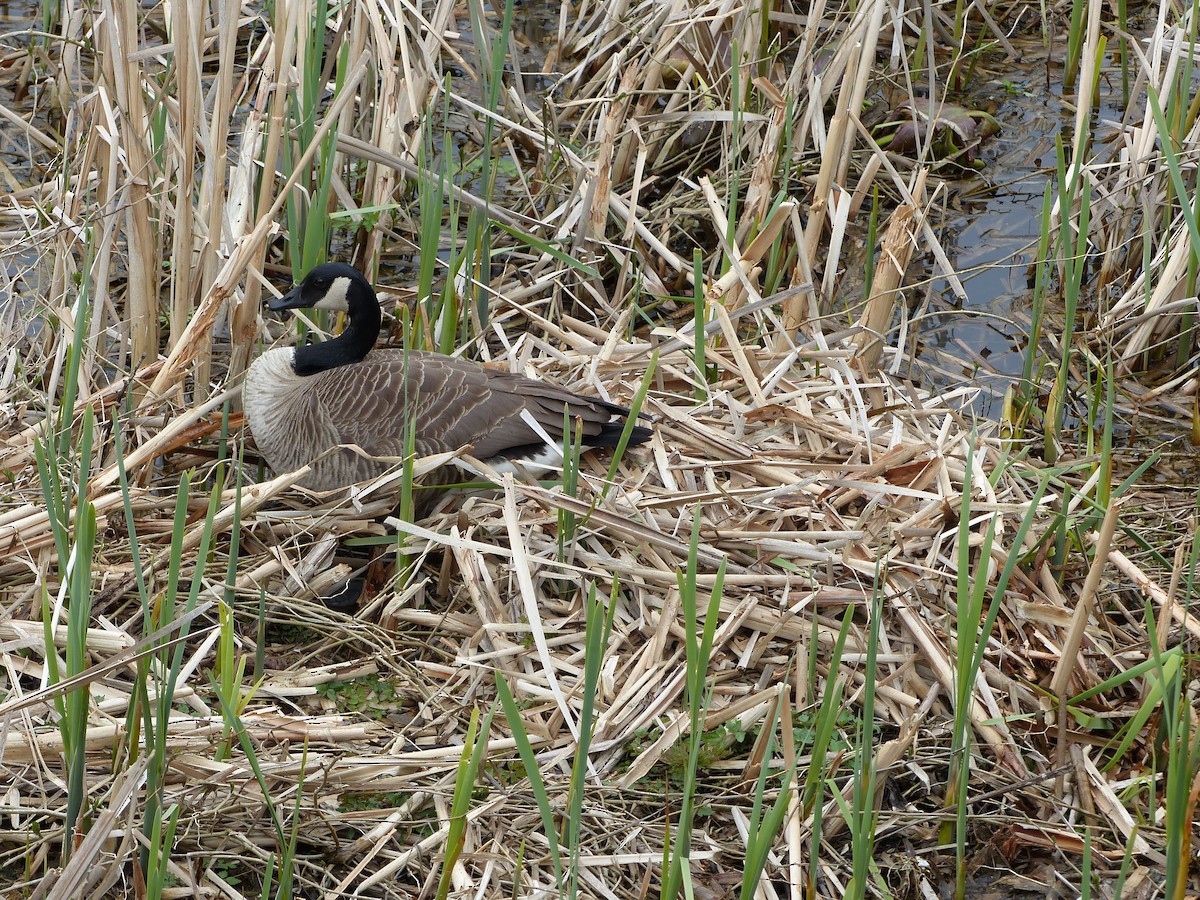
[[546, 403], [370, 402], [451, 402]]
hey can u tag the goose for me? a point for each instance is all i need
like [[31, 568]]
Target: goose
[[342, 406]]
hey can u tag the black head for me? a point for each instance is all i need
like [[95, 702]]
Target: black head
[[334, 286]]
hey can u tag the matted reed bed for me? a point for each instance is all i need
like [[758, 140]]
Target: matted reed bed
[[827, 634]]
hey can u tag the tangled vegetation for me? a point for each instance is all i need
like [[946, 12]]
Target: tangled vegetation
[[830, 633]]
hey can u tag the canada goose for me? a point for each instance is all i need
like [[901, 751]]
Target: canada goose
[[303, 402]]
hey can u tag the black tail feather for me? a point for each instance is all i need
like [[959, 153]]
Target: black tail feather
[[610, 435]]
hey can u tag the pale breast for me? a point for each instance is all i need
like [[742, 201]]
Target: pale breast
[[279, 407], [314, 420]]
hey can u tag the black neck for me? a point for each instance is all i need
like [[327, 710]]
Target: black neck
[[348, 347]]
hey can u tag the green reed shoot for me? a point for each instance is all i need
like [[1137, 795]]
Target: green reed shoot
[[1158, 671], [168, 659], [432, 199], [1031, 369], [536, 784], [635, 407], [287, 852], [75, 572], [1104, 484], [139, 692], [598, 629], [860, 814], [473, 751], [231, 714], [70, 389], [58, 457], [161, 839], [572, 450], [762, 828], [1072, 263], [1075, 36], [1188, 210], [871, 245], [1178, 758], [699, 317], [307, 219], [820, 768], [977, 605], [698, 651], [478, 248], [781, 258]]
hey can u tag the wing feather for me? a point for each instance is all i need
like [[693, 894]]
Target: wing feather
[[451, 403]]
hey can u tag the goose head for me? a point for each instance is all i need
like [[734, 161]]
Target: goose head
[[334, 286]]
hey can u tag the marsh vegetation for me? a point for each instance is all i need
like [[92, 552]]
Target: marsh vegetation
[[897, 601]]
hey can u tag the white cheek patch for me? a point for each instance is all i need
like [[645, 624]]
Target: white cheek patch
[[335, 297]]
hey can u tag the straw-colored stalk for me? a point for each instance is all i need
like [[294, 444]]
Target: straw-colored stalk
[[897, 248]]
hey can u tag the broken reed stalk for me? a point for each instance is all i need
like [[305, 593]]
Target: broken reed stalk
[[897, 248]]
